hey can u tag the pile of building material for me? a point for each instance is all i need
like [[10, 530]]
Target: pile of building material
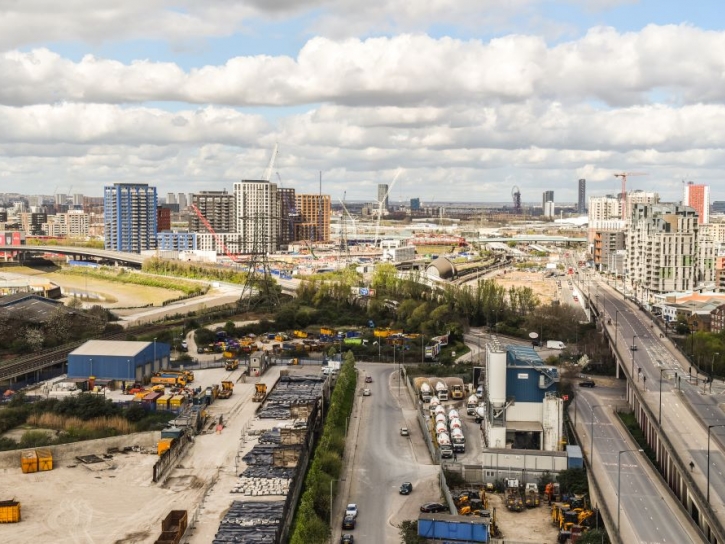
[[251, 523], [289, 392], [256, 487]]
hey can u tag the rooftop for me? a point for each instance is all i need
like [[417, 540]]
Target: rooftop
[[111, 347]]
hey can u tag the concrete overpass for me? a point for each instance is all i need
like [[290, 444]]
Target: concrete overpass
[[80, 254]]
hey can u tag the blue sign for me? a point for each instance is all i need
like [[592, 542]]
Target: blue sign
[[364, 291]]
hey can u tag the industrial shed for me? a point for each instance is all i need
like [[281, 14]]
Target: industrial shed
[[441, 268], [118, 360]]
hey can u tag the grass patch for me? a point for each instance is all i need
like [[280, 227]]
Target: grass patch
[[124, 276]]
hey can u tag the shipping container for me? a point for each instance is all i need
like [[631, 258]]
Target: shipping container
[[149, 401], [177, 402], [29, 461], [162, 403], [45, 459], [9, 512], [574, 457]]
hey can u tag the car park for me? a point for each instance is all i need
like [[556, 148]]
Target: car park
[[433, 508], [406, 488], [587, 383], [348, 522]]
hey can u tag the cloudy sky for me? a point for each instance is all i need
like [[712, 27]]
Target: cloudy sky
[[467, 97]]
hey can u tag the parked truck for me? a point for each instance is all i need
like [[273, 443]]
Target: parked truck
[[260, 392], [226, 390], [169, 379], [231, 365], [555, 344], [444, 444], [471, 405], [480, 413], [456, 388], [514, 502], [532, 495], [333, 367], [422, 387], [441, 390], [458, 440]]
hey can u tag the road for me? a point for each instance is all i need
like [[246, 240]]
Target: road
[[648, 513], [686, 403], [381, 459]]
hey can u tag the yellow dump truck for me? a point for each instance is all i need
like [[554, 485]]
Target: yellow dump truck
[[169, 379], [232, 364], [260, 392], [226, 390]]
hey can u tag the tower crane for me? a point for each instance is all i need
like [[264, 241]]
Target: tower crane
[[624, 176], [382, 201]]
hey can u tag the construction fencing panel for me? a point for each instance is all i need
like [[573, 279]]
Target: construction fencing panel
[[168, 459]]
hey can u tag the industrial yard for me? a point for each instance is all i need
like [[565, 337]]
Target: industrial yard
[[111, 497]]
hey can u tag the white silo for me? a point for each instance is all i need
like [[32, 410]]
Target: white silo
[[496, 375]]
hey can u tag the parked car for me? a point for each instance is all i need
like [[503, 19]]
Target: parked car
[[366, 392], [587, 383], [348, 522], [368, 379], [347, 538], [351, 510], [404, 431], [433, 508], [406, 488]]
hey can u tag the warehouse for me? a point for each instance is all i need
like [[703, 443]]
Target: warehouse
[[116, 360]]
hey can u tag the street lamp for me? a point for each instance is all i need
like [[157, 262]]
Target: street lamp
[[591, 433], [619, 478], [708, 458], [634, 347], [616, 315]]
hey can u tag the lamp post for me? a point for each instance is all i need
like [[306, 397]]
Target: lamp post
[[708, 458], [619, 478], [616, 315], [591, 434], [634, 347]]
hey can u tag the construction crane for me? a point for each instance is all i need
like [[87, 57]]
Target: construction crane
[[268, 172], [382, 201], [624, 176], [219, 242]]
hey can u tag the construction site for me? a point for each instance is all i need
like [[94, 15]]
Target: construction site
[[235, 479]]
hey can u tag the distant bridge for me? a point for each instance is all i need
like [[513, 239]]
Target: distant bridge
[[80, 253]]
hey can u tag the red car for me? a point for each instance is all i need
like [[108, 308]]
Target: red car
[[368, 379]]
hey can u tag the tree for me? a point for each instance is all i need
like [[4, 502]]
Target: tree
[[409, 533], [34, 338]]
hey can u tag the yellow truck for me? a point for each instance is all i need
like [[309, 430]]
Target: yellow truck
[[299, 334], [231, 365], [227, 390], [169, 379], [187, 374], [260, 392]]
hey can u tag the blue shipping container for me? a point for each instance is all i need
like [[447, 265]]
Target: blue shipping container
[[574, 457], [457, 531]]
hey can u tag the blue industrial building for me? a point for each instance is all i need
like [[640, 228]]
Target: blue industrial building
[[528, 379], [118, 360]]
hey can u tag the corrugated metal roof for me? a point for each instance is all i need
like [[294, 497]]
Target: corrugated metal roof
[[111, 347]]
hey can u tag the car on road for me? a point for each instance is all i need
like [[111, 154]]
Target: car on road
[[366, 392], [351, 510], [406, 488], [348, 522], [368, 379], [634, 347], [347, 538], [587, 383], [433, 508], [404, 431]]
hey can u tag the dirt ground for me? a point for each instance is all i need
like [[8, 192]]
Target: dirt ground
[[532, 525], [545, 288]]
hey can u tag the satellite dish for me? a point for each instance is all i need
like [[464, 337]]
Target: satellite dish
[[533, 335]]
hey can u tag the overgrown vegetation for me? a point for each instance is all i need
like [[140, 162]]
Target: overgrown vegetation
[[409, 533], [81, 417], [197, 271], [633, 427], [311, 524]]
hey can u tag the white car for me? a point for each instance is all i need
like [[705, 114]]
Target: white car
[[366, 392], [351, 510]]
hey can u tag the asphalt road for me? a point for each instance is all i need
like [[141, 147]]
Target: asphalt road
[[650, 517], [383, 459]]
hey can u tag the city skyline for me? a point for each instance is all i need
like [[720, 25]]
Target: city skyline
[[466, 98]]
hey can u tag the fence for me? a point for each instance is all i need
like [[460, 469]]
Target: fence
[[447, 492]]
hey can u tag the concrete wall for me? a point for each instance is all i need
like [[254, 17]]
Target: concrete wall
[[66, 453]]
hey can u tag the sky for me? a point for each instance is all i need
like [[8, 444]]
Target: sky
[[457, 100]]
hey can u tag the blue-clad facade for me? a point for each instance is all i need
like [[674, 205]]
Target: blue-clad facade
[[528, 379], [124, 361], [435, 526]]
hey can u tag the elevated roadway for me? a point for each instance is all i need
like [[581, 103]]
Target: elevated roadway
[[81, 253]]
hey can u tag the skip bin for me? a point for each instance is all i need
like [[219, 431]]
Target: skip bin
[[9, 511], [162, 403], [29, 461], [45, 460], [174, 525], [163, 445]]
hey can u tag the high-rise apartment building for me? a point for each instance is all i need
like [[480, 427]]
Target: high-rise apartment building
[[288, 216], [549, 209], [183, 202], [171, 198], [217, 207], [383, 195], [314, 220], [414, 204], [582, 202], [61, 199], [257, 216], [548, 196], [698, 197], [163, 219], [662, 249], [129, 211]]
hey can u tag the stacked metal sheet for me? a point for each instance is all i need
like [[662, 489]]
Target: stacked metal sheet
[[291, 391], [251, 523]]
